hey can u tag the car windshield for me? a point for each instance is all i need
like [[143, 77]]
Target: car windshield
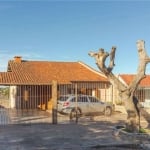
[[63, 98]]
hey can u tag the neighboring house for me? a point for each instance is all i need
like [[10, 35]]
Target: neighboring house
[[30, 81], [143, 90]]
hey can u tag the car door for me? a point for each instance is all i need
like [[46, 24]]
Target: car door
[[96, 106], [83, 103]]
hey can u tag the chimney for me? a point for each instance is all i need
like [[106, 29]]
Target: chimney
[[17, 59]]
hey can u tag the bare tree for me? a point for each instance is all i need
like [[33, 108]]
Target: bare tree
[[126, 92]]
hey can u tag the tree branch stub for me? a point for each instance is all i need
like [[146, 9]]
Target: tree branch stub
[[143, 60], [101, 57]]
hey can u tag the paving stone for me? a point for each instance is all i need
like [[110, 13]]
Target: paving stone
[[65, 135]]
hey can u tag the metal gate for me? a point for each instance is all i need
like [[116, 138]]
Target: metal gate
[[31, 104], [25, 104]]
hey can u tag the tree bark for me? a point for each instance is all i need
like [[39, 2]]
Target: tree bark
[[125, 92]]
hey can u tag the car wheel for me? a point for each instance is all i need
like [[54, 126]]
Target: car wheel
[[75, 114], [108, 111]]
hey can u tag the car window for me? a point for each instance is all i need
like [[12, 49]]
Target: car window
[[82, 99], [93, 100], [73, 99], [63, 98]]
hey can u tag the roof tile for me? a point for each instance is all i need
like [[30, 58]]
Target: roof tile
[[43, 72], [129, 77]]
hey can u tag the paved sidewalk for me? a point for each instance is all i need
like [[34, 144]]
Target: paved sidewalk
[[86, 135], [57, 137], [38, 133]]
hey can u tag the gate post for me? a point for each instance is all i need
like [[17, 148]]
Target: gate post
[[54, 102]]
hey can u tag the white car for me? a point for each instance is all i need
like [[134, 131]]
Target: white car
[[83, 105]]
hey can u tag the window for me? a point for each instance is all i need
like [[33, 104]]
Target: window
[[82, 99], [73, 99], [93, 100], [63, 98]]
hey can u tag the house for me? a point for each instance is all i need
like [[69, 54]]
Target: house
[[31, 82], [143, 90]]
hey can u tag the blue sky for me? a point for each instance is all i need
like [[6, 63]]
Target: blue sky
[[67, 30]]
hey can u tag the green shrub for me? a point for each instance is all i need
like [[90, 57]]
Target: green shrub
[[142, 130]]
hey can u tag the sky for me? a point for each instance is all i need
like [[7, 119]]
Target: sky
[[67, 30]]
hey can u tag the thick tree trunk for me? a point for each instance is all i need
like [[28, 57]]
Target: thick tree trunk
[[132, 108], [126, 93], [133, 113]]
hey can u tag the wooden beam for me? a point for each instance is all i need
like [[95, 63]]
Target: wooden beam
[[54, 102]]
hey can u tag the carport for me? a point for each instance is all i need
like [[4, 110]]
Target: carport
[[27, 103]]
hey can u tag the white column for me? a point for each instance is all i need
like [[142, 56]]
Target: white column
[[12, 96], [93, 92]]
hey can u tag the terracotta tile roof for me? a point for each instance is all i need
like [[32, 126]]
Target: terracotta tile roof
[[43, 72], [129, 77]]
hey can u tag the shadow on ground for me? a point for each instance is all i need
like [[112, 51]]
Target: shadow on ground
[[86, 135]]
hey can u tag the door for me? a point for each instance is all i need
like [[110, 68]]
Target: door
[[96, 106], [83, 104]]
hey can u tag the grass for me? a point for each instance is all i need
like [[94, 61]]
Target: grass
[[142, 130]]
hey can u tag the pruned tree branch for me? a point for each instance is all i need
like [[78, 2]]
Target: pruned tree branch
[[112, 57], [100, 58], [143, 60]]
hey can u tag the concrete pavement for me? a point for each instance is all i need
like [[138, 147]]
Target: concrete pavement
[[57, 137], [38, 133], [86, 135]]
